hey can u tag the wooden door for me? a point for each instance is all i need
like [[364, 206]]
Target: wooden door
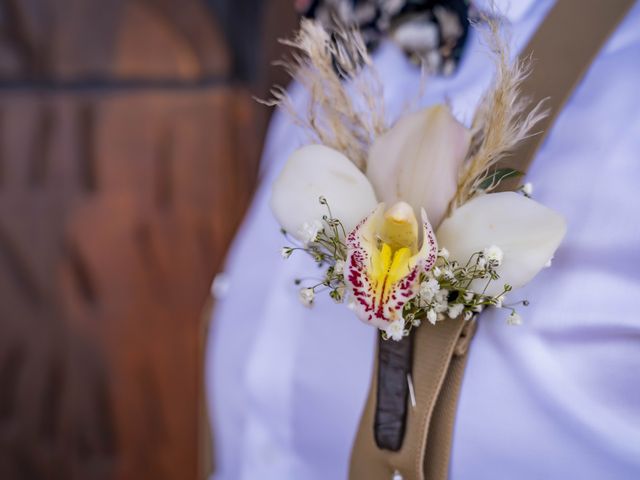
[[127, 158]]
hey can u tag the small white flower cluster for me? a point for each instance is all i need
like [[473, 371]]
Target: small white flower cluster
[[491, 257], [309, 231], [447, 290], [322, 240], [432, 298], [395, 330]]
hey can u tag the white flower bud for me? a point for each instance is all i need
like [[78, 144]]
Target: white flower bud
[[514, 319], [494, 255], [395, 330], [306, 296], [309, 231], [455, 310], [429, 289]]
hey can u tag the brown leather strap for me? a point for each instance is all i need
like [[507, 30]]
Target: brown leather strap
[[562, 49]]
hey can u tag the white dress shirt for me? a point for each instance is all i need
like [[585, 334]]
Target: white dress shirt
[[555, 398]]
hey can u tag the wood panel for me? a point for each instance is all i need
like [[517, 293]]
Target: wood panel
[[128, 154], [127, 158], [115, 211], [70, 40]]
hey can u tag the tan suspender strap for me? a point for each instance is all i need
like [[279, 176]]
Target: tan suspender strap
[[562, 50], [429, 372]]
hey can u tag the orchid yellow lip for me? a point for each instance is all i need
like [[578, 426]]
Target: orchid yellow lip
[[384, 262]]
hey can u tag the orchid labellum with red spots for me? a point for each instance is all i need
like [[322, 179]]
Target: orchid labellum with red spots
[[384, 262]]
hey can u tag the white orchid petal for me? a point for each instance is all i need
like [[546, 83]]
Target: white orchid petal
[[314, 171], [527, 233], [418, 161]]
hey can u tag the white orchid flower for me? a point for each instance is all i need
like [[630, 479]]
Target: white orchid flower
[[413, 168]]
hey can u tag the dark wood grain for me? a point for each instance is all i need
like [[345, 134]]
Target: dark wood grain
[[128, 155]]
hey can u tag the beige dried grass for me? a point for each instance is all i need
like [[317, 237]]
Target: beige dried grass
[[501, 120], [344, 115]]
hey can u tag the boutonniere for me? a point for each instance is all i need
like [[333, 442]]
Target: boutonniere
[[406, 221]]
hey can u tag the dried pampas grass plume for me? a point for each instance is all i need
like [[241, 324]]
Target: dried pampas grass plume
[[500, 122], [345, 115]]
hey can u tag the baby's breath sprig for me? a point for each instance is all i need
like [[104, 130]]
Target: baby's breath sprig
[[324, 242], [450, 290]]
